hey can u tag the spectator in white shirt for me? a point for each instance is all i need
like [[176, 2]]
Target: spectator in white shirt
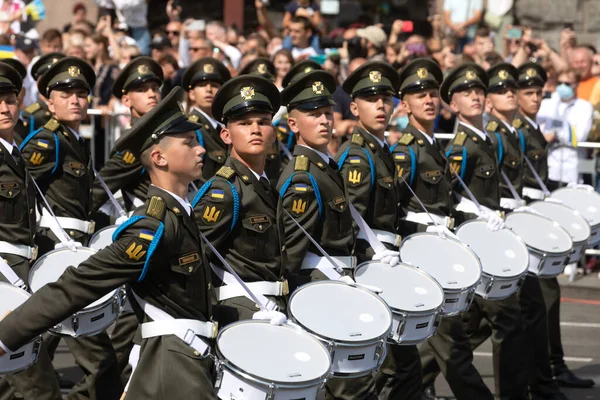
[[301, 31], [216, 32], [565, 121], [462, 17]]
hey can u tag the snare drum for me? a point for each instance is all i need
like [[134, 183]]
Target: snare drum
[[94, 318], [102, 238], [452, 263], [354, 321], [587, 203], [12, 297], [503, 255], [414, 297], [257, 360], [549, 245], [571, 220]]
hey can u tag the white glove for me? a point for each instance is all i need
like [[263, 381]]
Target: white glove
[[276, 317], [526, 209], [347, 279], [71, 244], [494, 222], [387, 257], [121, 219], [442, 231], [582, 186]]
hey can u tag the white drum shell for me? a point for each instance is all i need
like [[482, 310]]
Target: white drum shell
[[495, 288], [102, 238], [350, 358], [587, 203], [26, 356], [94, 318], [413, 323]]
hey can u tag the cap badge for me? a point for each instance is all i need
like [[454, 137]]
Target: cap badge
[[74, 71], [470, 75], [317, 87], [208, 68], [308, 69], [54, 60], [375, 76], [247, 93], [422, 73], [531, 72], [262, 68], [503, 74], [143, 69]]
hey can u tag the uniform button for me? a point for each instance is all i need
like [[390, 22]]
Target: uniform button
[[190, 269], [196, 353], [398, 205], [282, 248], [209, 286], [71, 233], [31, 211], [433, 179], [10, 193], [77, 172], [260, 227], [487, 172]]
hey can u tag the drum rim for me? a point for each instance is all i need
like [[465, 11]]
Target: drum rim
[[514, 235], [420, 271], [361, 343], [556, 225], [225, 362], [573, 211], [37, 342], [100, 231], [447, 290], [565, 189]]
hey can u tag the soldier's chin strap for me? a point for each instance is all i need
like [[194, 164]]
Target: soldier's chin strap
[[261, 301], [536, 176], [111, 196], [419, 200], [58, 231]]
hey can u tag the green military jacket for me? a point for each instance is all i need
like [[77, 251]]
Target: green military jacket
[[210, 138], [510, 159], [535, 147]]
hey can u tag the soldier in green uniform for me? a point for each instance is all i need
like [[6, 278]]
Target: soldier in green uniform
[[36, 115], [531, 80], [421, 163], [138, 87], [58, 160], [22, 127], [275, 158], [472, 155], [313, 192], [368, 171], [202, 80], [17, 232], [237, 208], [158, 253]]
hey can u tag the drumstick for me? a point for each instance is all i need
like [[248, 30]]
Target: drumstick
[[110, 194], [419, 200], [510, 186], [469, 193]]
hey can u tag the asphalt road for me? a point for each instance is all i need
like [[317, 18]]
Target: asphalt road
[[581, 341]]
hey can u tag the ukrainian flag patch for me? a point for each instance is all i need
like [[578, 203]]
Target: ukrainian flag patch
[[217, 194], [354, 160], [146, 234], [42, 143], [300, 187], [400, 157]]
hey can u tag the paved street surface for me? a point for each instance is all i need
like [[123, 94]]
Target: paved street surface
[[580, 329]]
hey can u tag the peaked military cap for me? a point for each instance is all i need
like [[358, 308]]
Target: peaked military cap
[[374, 77], [139, 71], [300, 69], [310, 91], [10, 79], [244, 94], [67, 73], [205, 69], [531, 74], [17, 66], [262, 67], [502, 76], [466, 76], [44, 63], [166, 118], [420, 74]]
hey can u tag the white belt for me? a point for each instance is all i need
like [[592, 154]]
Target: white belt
[[313, 261], [185, 329], [535, 194], [467, 206], [509, 202], [265, 288], [67, 223], [383, 236], [19, 250], [424, 219]]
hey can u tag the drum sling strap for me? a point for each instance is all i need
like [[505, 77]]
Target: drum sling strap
[[110, 194], [10, 275], [366, 231]]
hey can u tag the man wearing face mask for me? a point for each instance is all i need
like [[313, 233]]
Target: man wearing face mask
[[565, 121]]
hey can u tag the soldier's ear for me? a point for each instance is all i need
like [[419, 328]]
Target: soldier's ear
[[488, 104], [405, 106], [226, 135], [50, 104], [292, 123], [126, 101], [354, 108]]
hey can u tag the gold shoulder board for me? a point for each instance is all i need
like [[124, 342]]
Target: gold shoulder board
[[156, 208], [32, 108], [517, 123], [52, 125], [460, 138], [225, 172], [301, 163], [358, 139], [406, 139], [492, 126]]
